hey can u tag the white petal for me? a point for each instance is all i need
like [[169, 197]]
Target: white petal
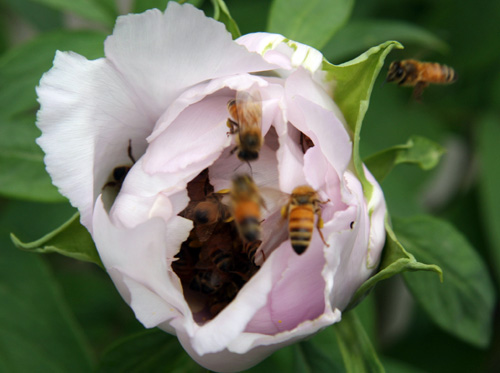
[[87, 118], [163, 54], [140, 256]]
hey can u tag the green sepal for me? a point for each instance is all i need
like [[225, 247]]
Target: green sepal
[[395, 260], [357, 351], [221, 14], [71, 239], [464, 303], [418, 150], [353, 84]]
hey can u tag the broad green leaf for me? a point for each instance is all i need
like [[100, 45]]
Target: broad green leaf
[[140, 6], [102, 11], [221, 14], [464, 303], [395, 260], [359, 35], [40, 16], [489, 186], [312, 22], [22, 171], [418, 150], [22, 67], [38, 332], [70, 239], [353, 86], [149, 351], [357, 351]]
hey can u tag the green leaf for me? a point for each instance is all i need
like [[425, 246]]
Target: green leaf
[[359, 35], [70, 239], [140, 6], [43, 18], [489, 185], [395, 260], [309, 358], [357, 351], [312, 22], [22, 67], [463, 304], [22, 171], [353, 86], [38, 332], [149, 351], [221, 14], [102, 11], [418, 150]]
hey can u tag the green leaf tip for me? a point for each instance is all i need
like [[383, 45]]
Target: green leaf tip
[[70, 239], [221, 14], [418, 150], [353, 84]]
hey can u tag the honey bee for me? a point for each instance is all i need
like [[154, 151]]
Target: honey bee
[[245, 204], [303, 204], [418, 74], [120, 172], [207, 214], [245, 122]]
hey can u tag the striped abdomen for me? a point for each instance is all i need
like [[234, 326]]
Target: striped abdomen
[[247, 218], [300, 226], [437, 73]]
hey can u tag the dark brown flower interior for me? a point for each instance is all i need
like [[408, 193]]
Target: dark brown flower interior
[[213, 263]]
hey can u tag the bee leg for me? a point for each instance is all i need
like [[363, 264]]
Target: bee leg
[[129, 151], [233, 126], [284, 211], [419, 89], [319, 225]]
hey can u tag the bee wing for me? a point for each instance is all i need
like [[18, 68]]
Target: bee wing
[[249, 109], [273, 199]]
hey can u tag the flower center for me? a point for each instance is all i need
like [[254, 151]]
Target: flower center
[[213, 263]]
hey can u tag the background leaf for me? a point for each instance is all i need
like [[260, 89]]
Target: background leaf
[[357, 351], [22, 171], [40, 16], [418, 150], [71, 239], [359, 35], [149, 351], [103, 11], [22, 67], [488, 143], [312, 22], [463, 303], [39, 332]]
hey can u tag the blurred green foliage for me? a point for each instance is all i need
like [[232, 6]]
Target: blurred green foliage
[[66, 315]]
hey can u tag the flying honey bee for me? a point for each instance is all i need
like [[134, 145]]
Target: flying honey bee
[[245, 122], [413, 73], [245, 205], [120, 172], [303, 204]]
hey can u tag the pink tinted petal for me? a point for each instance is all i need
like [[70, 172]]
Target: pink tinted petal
[[321, 125], [87, 118], [198, 132], [163, 54], [290, 162], [378, 210], [140, 256]]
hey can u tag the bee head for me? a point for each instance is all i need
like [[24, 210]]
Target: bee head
[[396, 72]]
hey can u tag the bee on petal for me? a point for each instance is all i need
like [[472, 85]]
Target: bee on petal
[[413, 73], [303, 205], [245, 122]]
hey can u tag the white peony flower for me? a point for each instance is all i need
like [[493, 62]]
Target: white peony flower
[[164, 87]]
